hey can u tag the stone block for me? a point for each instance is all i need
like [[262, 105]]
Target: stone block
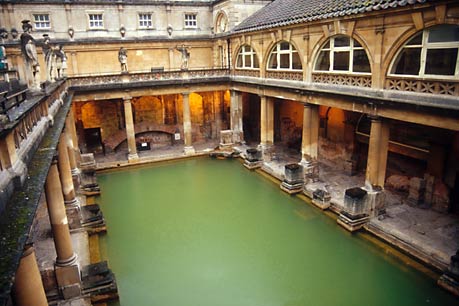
[[293, 173], [67, 275]]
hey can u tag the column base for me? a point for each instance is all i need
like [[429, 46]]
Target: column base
[[133, 157], [68, 277], [75, 171], [189, 150], [68, 281], [72, 203]]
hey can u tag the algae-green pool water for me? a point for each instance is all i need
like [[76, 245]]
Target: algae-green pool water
[[205, 232]]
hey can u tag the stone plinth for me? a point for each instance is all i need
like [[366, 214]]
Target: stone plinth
[[321, 198], [375, 200], [311, 171], [355, 212], [293, 179], [254, 159], [226, 138]]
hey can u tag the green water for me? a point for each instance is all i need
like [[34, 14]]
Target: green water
[[211, 233]]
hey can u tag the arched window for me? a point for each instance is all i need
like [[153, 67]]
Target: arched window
[[247, 58], [221, 25], [284, 56], [342, 54], [432, 52]]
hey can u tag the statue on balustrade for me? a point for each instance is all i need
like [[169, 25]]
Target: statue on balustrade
[[49, 58], [60, 62], [185, 56], [122, 57], [29, 51]]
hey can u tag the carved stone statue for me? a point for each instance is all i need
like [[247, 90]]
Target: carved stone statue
[[61, 62], [29, 51], [185, 56], [49, 60], [122, 57]]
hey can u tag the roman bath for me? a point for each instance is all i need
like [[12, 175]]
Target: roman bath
[[229, 152]]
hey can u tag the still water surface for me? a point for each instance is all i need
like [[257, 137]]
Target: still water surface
[[208, 232]]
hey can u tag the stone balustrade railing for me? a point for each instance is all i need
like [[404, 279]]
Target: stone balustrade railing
[[342, 79], [247, 72], [438, 87], [285, 75], [156, 74]]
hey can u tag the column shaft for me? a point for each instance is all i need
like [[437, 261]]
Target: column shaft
[[377, 152], [266, 121], [72, 142], [57, 216], [310, 137], [65, 172], [187, 120], [130, 132], [28, 286], [236, 116]]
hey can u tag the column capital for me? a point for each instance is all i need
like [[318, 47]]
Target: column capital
[[374, 118], [127, 99]]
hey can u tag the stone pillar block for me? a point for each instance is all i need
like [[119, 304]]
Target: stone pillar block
[[254, 159], [69, 280], [293, 179]]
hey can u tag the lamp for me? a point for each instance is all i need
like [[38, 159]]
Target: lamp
[[122, 31], [71, 32], [169, 30]]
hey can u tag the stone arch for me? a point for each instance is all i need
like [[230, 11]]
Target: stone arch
[[238, 50], [218, 26], [270, 48], [148, 109], [400, 42], [321, 43]]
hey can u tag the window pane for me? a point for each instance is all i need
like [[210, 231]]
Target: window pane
[[356, 44], [284, 46], [273, 61], [323, 61], [342, 41], [285, 61], [444, 33], [441, 61], [255, 62], [408, 61], [341, 61], [239, 61], [327, 45], [248, 61], [417, 40], [361, 63], [296, 62]]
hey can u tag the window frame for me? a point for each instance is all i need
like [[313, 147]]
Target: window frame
[[425, 46], [277, 50], [35, 22], [95, 13], [253, 55], [332, 50], [194, 20], [139, 20]]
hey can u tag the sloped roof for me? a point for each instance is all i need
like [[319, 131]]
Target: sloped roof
[[287, 12]]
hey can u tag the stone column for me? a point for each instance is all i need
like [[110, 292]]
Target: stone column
[[217, 100], [310, 139], [72, 143], [377, 152], [266, 121], [8, 154], [189, 150], [236, 117], [65, 173], [28, 286], [130, 132], [66, 267]]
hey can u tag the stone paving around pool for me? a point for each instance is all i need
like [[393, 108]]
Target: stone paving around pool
[[424, 233]]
